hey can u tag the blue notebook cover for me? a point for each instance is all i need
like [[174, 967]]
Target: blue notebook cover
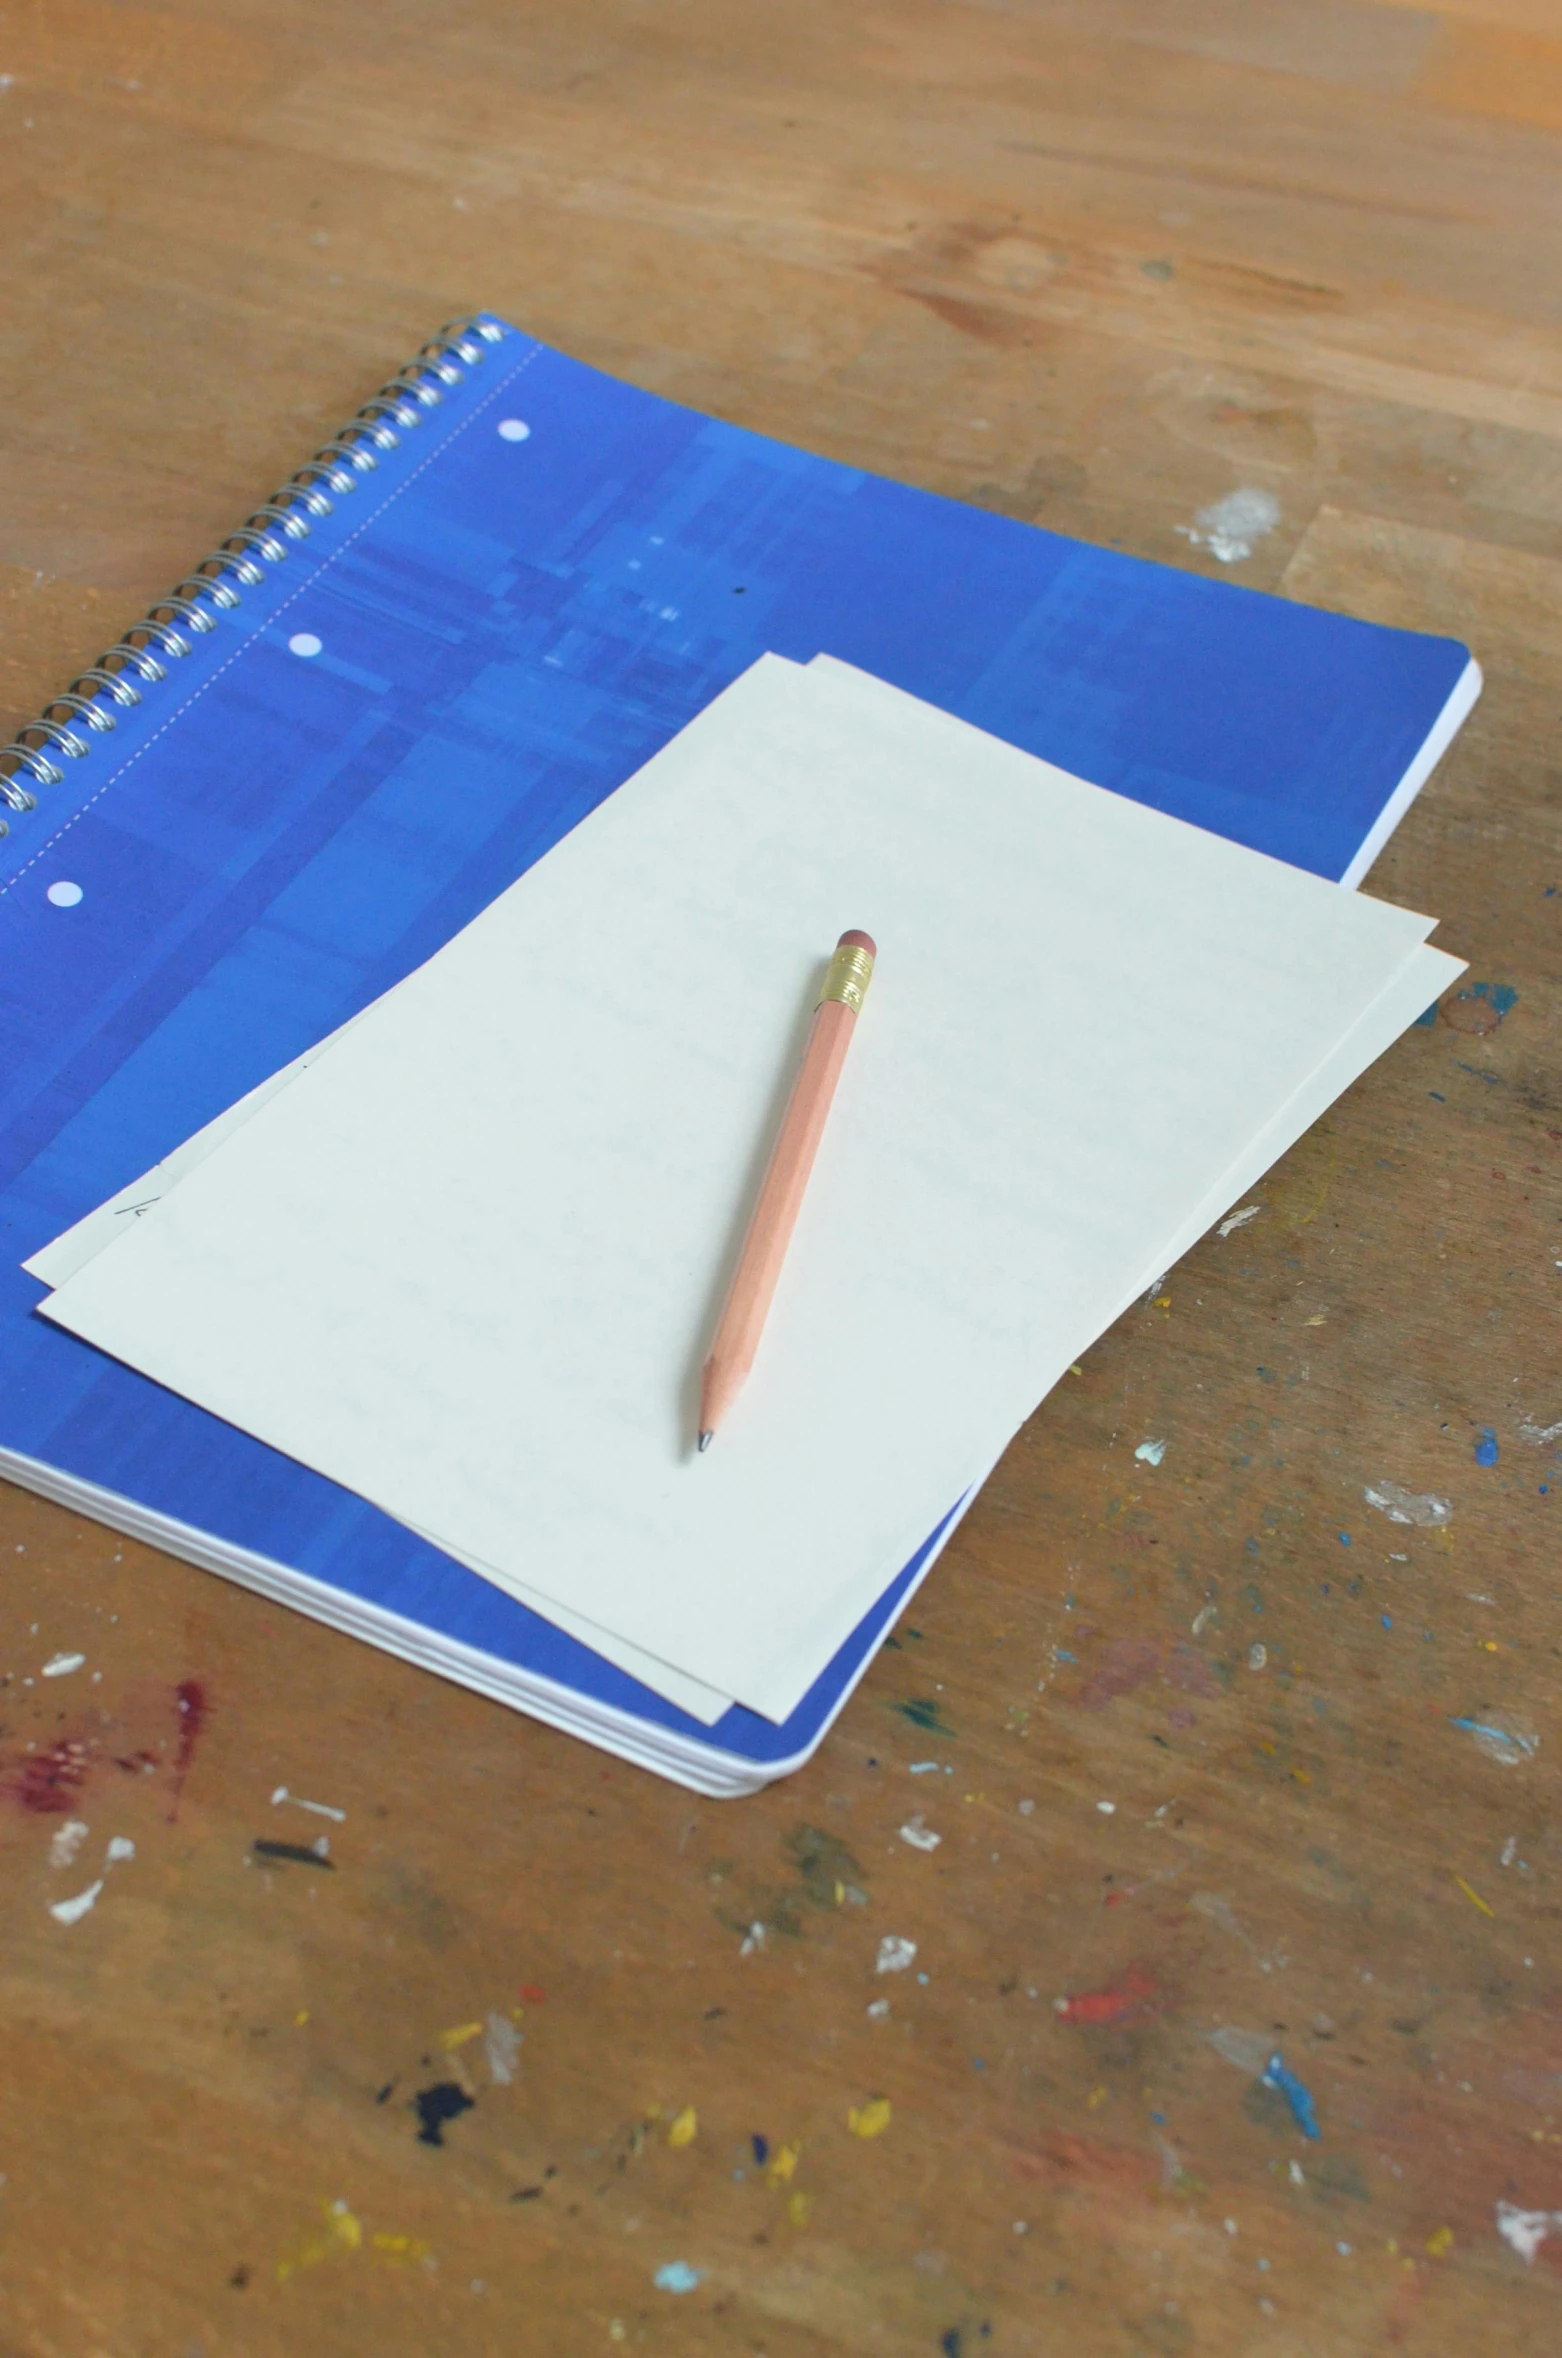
[[542, 578]]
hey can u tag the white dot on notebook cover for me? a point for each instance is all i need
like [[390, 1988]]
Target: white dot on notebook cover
[[513, 430], [304, 642], [63, 895]]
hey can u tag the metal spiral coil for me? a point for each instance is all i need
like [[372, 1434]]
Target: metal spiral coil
[[140, 657]]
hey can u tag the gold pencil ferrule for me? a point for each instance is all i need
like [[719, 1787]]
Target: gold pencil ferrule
[[851, 971]]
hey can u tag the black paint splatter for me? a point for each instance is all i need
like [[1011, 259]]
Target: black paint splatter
[[445, 2101], [296, 1853]]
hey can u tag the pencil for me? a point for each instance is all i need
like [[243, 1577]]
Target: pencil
[[780, 1198]]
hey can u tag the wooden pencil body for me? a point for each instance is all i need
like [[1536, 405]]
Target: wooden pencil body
[[775, 1214]]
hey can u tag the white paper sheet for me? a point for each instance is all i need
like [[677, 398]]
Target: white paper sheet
[[468, 1264]]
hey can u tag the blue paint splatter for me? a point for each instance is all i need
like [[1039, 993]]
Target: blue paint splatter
[[1430, 1016], [1297, 2097], [1345, 1539], [761, 2147], [677, 2277], [1388, 1620], [1486, 1447], [1502, 996]]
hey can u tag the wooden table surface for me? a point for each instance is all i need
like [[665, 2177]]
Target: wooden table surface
[[1217, 1746]]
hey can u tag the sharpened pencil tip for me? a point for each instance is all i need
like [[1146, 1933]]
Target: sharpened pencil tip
[[705, 1441]]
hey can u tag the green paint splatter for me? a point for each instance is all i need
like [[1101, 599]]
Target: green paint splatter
[[923, 1712]]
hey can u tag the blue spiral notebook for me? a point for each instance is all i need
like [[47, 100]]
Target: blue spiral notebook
[[504, 585]]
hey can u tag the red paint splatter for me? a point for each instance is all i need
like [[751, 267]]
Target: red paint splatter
[[191, 1699], [1133, 1995], [1134, 1661], [47, 1783], [531, 1995]]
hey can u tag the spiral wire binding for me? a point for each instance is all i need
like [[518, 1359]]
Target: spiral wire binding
[[141, 656]]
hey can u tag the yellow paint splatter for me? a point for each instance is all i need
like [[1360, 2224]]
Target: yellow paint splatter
[[840, 1894], [685, 2128], [1095, 2099], [450, 2040], [1474, 1897], [300, 2018], [1301, 1776], [872, 2118], [1440, 2242], [797, 2209], [342, 2232], [783, 2162], [398, 2250]]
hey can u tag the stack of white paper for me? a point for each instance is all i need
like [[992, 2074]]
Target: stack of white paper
[[466, 1258]]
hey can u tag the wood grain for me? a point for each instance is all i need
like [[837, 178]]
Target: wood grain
[[1094, 262]]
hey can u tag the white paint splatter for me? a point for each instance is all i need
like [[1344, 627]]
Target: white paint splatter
[[920, 1836], [501, 2048], [61, 1665], [321, 1809], [1150, 1453], [1231, 528], [1239, 1219], [1539, 1435], [1526, 2231], [120, 1847], [1248, 2050], [878, 2010], [923, 1768], [71, 1911], [66, 1843], [753, 1940], [1421, 1507], [896, 1954], [1202, 1619], [1257, 1656], [1108, 1809]]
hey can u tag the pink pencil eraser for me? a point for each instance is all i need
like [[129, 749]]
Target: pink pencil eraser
[[858, 941]]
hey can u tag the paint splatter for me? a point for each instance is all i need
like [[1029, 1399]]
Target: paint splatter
[[193, 1707], [870, 2119], [71, 1911], [783, 2167], [47, 1782], [1232, 527], [343, 2232], [1421, 1507], [895, 1954], [1473, 1896], [1539, 1435], [1479, 1008], [761, 2149], [1239, 1219], [920, 1836], [61, 1665], [1502, 1736], [1133, 1662], [321, 1809], [923, 1712], [677, 2277], [434, 2106], [295, 1854], [684, 2128], [1248, 2050], [1151, 1452], [120, 1847], [1525, 2231], [1298, 2097], [1486, 1447], [1132, 1996], [501, 2049], [460, 2036], [66, 1843]]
